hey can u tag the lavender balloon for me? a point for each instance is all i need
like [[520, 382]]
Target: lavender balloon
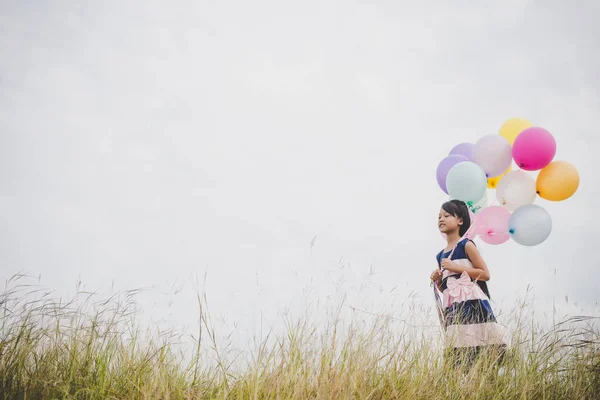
[[463, 149], [444, 166], [494, 154]]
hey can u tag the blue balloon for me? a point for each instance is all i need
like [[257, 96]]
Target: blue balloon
[[466, 181], [530, 225]]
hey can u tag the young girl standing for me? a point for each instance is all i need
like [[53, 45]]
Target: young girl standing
[[468, 320]]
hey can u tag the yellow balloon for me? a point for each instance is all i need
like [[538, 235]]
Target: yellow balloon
[[558, 181], [493, 182], [511, 128]]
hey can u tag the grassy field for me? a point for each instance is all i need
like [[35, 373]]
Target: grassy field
[[91, 349]]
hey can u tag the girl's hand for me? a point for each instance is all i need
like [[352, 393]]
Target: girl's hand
[[451, 266], [435, 275]]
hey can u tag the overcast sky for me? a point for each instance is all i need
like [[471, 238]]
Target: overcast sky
[[143, 143]]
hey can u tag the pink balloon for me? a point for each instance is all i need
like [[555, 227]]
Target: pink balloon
[[533, 149], [492, 225]]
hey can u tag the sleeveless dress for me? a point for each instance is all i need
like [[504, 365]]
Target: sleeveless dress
[[468, 320]]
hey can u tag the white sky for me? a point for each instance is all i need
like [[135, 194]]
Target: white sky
[[143, 143]]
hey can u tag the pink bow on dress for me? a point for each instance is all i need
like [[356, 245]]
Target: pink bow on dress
[[459, 290]]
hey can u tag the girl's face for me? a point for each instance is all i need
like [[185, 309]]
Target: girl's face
[[448, 222]]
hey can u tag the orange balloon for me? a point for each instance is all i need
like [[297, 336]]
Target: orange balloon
[[558, 181], [493, 182]]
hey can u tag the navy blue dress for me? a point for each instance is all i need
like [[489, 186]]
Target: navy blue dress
[[468, 318]]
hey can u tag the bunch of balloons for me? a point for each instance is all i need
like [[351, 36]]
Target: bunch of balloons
[[470, 169]]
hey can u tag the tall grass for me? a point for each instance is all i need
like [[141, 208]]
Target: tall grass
[[90, 349]]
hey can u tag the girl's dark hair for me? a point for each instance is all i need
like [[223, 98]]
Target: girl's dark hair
[[460, 210]]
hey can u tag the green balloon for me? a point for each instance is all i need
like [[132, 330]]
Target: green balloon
[[466, 181]]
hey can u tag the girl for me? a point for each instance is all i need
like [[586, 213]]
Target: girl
[[467, 317]]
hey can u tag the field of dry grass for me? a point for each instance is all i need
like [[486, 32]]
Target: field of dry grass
[[94, 349]]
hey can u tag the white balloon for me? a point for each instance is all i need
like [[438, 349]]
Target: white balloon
[[466, 181], [493, 154], [516, 189], [530, 225]]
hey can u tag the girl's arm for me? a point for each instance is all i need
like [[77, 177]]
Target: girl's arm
[[480, 272]]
